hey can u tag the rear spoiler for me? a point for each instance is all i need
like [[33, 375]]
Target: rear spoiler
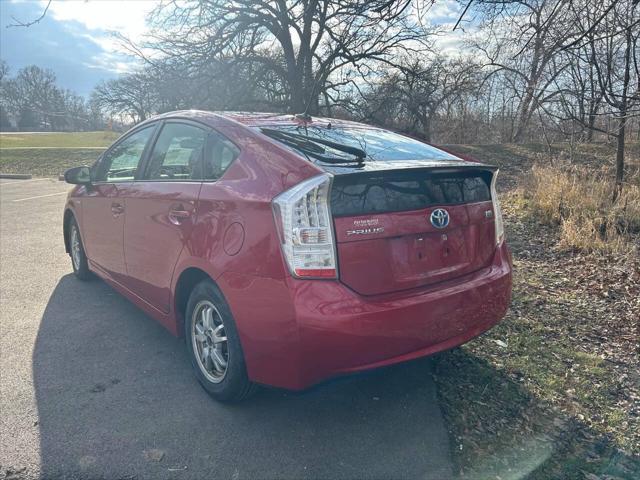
[[398, 165]]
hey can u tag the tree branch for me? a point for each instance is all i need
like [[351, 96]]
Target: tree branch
[[28, 24]]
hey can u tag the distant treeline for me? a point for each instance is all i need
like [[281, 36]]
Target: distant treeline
[[31, 100]]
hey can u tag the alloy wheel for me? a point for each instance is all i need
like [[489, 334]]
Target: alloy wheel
[[209, 341], [76, 249]]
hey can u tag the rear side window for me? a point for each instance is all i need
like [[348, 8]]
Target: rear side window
[[362, 194], [219, 155], [177, 154], [120, 163], [187, 152]]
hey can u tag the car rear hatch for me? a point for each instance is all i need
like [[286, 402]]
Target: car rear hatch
[[403, 228], [404, 213]]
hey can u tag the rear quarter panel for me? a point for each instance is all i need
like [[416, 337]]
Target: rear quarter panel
[[235, 241], [235, 230]]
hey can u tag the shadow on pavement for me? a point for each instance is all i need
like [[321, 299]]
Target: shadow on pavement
[[116, 399]]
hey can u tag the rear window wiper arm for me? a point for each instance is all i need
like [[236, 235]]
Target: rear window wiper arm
[[311, 146]]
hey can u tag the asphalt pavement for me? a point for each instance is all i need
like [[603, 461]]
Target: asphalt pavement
[[92, 388]]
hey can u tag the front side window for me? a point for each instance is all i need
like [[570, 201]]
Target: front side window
[[121, 162], [177, 154]]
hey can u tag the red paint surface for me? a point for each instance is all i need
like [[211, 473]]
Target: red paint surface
[[409, 252], [403, 293], [154, 236]]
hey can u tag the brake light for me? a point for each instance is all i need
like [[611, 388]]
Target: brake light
[[497, 212], [307, 239]]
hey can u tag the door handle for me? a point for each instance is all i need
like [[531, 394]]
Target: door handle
[[117, 209], [177, 214]]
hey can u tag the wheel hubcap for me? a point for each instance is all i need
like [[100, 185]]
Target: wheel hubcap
[[209, 341], [75, 248]]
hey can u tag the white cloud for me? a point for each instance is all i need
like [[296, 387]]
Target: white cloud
[[99, 21], [125, 17], [451, 43], [445, 10], [445, 14]]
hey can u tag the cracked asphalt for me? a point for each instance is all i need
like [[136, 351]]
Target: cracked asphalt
[[92, 388]]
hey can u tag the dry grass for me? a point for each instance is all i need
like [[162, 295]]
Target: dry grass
[[579, 200], [553, 391]]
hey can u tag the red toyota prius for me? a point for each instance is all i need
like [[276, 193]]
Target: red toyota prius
[[289, 249]]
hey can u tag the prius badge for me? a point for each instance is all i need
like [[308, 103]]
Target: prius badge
[[439, 218], [366, 226]]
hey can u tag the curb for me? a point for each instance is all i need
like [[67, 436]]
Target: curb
[[16, 176]]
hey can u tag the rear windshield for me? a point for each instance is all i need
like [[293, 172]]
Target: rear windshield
[[378, 144], [396, 191]]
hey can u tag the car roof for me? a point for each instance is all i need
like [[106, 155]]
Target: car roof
[[258, 119]]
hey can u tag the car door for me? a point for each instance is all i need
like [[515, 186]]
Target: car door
[[161, 209], [103, 208]]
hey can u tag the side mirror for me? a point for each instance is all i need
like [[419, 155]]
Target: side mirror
[[78, 176]]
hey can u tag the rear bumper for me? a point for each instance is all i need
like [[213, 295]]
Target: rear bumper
[[325, 329]]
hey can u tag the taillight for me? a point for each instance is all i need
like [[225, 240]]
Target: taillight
[[306, 228], [496, 210]]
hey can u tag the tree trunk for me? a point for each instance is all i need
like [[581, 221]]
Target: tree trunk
[[620, 158], [537, 65], [312, 95], [590, 125], [426, 127], [524, 116], [327, 105], [622, 121], [303, 96], [296, 99]]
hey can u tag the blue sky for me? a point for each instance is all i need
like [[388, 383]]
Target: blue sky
[[75, 38]]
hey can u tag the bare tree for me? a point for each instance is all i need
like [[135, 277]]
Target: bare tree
[[605, 74], [31, 96], [301, 42], [27, 24], [589, 95], [35, 102], [132, 95], [412, 96], [5, 124], [4, 70], [575, 111], [525, 38], [227, 83], [616, 57]]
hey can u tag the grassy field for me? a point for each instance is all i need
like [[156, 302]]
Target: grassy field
[[58, 140], [50, 154], [44, 162]]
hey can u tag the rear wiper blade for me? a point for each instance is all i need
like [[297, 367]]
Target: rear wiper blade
[[341, 147], [293, 140], [311, 146]]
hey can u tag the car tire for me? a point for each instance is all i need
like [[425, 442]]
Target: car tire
[[214, 345], [76, 252]]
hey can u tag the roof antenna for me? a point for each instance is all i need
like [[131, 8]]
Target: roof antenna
[[305, 115]]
